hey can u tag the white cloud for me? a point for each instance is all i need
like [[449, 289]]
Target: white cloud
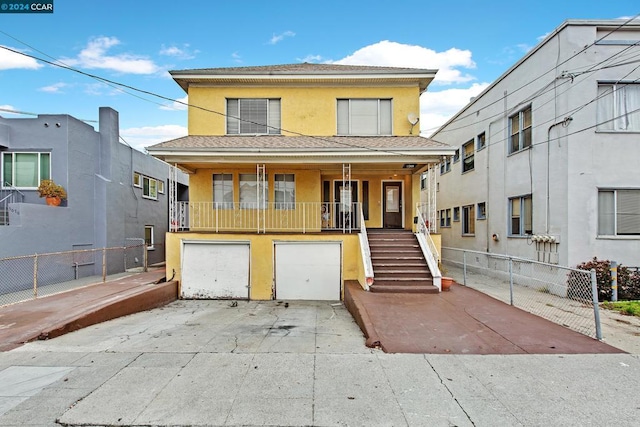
[[54, 88], [11, 60], [142, 137], [278, 38], [181, 53], [438, 107], [95, 56], [393, 54], [236, 57], [6, 110], [177, 106], [311, 58]]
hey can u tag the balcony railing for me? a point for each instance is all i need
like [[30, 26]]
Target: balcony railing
[[300, 217]]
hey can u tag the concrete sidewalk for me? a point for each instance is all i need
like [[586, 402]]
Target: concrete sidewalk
[[264, 363]]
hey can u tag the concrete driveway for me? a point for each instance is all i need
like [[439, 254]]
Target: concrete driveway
[[265, 363]]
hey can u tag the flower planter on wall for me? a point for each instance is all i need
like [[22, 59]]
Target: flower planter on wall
[[53, 201]]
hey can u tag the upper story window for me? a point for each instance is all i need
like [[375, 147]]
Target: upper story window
[[364, 116], [284, 190], [253, 116], [468, 154], [618, 107], [445, 166], [521, 213], [481, 141], [520, 130], [25, 170], [619, 212], [149, 188], [456, 156]]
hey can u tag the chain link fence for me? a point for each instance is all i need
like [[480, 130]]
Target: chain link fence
[[32, 276], [563, 295]]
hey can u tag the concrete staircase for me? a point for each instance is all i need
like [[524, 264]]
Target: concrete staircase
[[398, 263]]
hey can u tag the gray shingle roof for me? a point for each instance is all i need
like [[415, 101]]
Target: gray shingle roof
[[302, 68], [302, 143]]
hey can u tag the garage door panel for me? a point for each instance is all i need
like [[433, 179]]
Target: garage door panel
[[215, 271], [308, 271]]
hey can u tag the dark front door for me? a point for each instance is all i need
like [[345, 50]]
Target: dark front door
[[346, 205], [392, 205]]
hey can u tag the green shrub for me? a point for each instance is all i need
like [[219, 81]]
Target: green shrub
[[628, 282]]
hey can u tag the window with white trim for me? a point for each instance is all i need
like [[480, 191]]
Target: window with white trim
[[223, 190], [253, 116], [445, 166], [160, 187], [456, 214], [251, 191], [521, 214], [456, 156], [148, 236], [618, 107], [520, 130], [284, 188], [364, 117], [445, 218], [149, 188], [25, 170], [481, 141], [137, 179], [482, 211], [468, 220], [467, 156], [619, 212]]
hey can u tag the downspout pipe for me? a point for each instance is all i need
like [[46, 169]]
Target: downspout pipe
[[565, 122]]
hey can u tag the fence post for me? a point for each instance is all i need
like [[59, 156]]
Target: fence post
[[614, 280], [511, 281], [145, 257], [104, 265], [596, 306], [464, 268], [35, 276]]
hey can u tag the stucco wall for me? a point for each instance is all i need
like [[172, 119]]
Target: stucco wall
[[299, 114], [262, 255], [566, 164], [103, 208]]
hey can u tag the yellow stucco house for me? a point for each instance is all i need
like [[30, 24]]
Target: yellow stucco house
[[299, 175]]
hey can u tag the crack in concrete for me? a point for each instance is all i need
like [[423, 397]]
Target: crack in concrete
[[449, 391]]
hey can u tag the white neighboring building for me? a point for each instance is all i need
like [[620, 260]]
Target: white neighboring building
[[549, 154]]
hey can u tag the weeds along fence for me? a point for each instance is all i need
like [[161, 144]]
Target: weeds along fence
[[563, 295], [32, 276]]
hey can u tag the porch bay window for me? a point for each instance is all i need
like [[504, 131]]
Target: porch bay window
[[254, 193], [284, 191]]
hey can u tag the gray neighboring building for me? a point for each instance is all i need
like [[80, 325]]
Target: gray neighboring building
[[115, 193], [549, 154]]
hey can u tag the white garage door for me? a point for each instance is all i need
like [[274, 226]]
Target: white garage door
[[215, 270], [308, 271]]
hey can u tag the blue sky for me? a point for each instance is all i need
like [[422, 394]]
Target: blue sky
[[135, 43]]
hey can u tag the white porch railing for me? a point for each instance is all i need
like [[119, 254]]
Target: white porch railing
[[429, 250], [366, 253], [302, 217], [424, 229]]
